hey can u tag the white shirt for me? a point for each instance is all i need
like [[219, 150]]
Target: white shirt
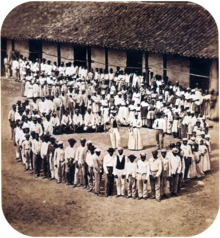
[[81, 154], [175, 164], [108, 162], [69, 153], [143, 167], [44, 149], [159, 123], [131, 168]]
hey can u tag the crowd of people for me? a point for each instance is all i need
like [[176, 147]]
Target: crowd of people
[[69, 99]]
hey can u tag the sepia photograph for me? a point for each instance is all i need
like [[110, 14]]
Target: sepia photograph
[[109, 118]]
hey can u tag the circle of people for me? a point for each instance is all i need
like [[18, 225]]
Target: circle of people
[[72, 100]]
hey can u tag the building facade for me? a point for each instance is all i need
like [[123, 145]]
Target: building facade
[[163, 39]]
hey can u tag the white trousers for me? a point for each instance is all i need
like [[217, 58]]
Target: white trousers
[[142, 187], [52, 170], [115, 137], [120, 183]]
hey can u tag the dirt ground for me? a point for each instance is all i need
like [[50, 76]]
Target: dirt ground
[[38, 207]]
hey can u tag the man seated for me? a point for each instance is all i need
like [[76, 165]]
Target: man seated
[[66, 123], [56, 124], [77, 121], [99, 122], [89, 121]]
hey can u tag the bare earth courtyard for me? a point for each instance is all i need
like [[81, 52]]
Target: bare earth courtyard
[[38, 207]]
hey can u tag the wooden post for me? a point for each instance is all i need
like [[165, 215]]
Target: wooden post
[[146, 68], [58, 54], [106, 59], [40, 54], [164, 66], [88, 58]]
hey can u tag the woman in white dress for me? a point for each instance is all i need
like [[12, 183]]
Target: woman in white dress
[[136, 97], [135, 141], [205, 160], [131, 108], [30, 90]]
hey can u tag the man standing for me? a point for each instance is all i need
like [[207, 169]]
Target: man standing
[[59, 161], [114, 134], [155, 166], [79, 163], [45, 156], [97, 169], [119, 171], [70, 153], [26, 145], [160, 126], [174, 171], [131, 170], [142, 176], [51, 150], [36, 149], [11, 118], [108, 168], [165, 184]]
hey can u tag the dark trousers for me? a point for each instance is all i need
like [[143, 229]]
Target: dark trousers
[[179, 133], [46, 168], [70, 171], [57, 130], [184, 131], [38, 162], [174, 183], [109, 181], [187, 165]]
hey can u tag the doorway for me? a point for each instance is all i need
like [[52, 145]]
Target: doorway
[[199, 67], [3, 54], [80, 56], [134, 59], [35, 47]]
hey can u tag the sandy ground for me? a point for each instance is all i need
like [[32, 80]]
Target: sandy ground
[[38, 207]]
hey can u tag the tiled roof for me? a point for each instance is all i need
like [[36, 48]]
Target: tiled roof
[[178, 28]]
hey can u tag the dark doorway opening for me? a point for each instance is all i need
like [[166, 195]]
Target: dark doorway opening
[[199, 67], [3, 54], [35, 49], [80, 56], [134, 59]]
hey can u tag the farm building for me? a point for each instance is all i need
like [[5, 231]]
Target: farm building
[[175, 40]]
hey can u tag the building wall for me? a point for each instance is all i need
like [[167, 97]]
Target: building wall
[[117, 58], [180, 64], [66, 51], [98, 54], [22, 47], [213, 76], [9, 47], [50, 48], [155, 62]]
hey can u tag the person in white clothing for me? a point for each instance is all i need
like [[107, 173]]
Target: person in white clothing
[[135, 140], [114, 133], [108, 164], [119, 171], [159, 125], [130, 171], [142, 176], [89, 121], [70, 154], [80, 164], [174, 171], [59, 161]]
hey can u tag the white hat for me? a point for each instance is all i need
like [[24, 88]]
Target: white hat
[[97, 150], [175, 150], [60, 142]]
